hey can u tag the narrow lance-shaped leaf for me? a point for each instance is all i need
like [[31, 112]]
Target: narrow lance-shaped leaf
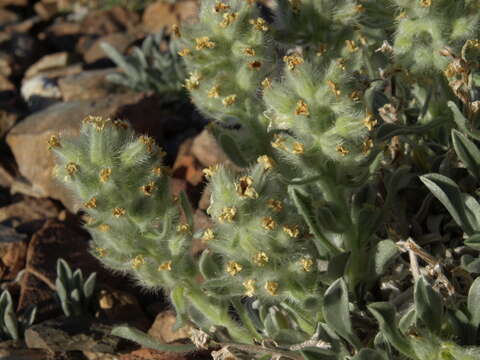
[[428, 305], [467, 152], [473, 303]]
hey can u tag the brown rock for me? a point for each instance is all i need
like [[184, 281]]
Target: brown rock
[[149, 354], [120, 41], [15, 350], [160, 14], [5, 3], [86, 85], [7, 17], [28, 139], [6, 64], [13, 251], [45, 10], [204, 202], [102, 22], [48, 62], [5, 86], [162, 328], [7, 120], [207, 151], [186, 166]]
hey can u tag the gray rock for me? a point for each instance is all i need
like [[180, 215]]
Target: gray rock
[[73, 86]]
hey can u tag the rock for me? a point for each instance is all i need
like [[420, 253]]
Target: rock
[[7, 120], [13, 251], [59, 335], [162, 330], [40, 92], [6, 64], [90, 355], [102, 22], [28, 215], [56, 74], [5, 3], [7, 17], [45, 10], [73, 87], [120, 41], [48, 62], [120, 307], [15, 350], [186, 166], [204, 202], [63, 35], [160, 14], [5, 87], [149, 354], [207, 151], [6, 179], [28, 139]]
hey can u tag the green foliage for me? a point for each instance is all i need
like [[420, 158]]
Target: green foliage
[[12, 327], [333, 111], [74, 292]]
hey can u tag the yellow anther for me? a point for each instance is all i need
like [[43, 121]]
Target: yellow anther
[[306, 263], [96, 121], [214, 92], [183, 229], [105, 174], [249, 51], [322, 49], [355, 95], [293, 60], [254, 65], [210, 171], [165, 266], [245, 188], [259, 24], [91, 204], [71, 168], [351, 45], [120, 124], [148, 141], [302, 108], [278, 142], [138, 261], [260, 258], [367, 146], [271, 287], [333, 87], [101, 252], [292, 230], [268, 223], [118, 212], [227, 215], [204, 42], [370, 122], [229, 100], [233, 268], [184, 52], [193, 82], [267, 162], [104, 227], [208, 235], [249, 286], [157, 170], [341, 64], [175, 29], [53, 142], [425, 3], [148, 189], [220, 7], [359, 8], [342, 150], [228, 19], [266, 83], [298, 148], [275, 205]]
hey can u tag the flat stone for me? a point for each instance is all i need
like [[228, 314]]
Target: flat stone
[[67, 334], [207, 151], [162, 328], [160, 14], [73, 86], [186, 165], [48, 62], [149, 354], [7, 17], [120, 41]]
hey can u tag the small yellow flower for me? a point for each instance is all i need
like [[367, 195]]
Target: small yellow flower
[[233, 268], [214, 92], [370, 122], [220, 7], [183, 229], [268, 223], [267, 162], [208, 235], [425, 3], [71, 168], [266, 83], [118, 212], [271, 287], [249, 287], [120, 124], [260, 258], [105, 174], [355, 95], [351, 46], [210, 171], [245, 188], [306, 263], [167, 265], [359, 8], [259, 24], [104, 227], [229, 100], [138, 261], [157, 170], [367, 146], [275, 205], [53, 142], [298, 148], [342, 150], [148, 189], [96, 121], [333, 87], [227, 215], [322, 49], [228, 19], [175, 30], [184, 52], [193, 82], [302, 108], [292, 230], [148, 141], [341, 64], [101, 252], [293, 60], [278, 142], [249, 51], [204, 43], [254, 65], [91, 204]]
